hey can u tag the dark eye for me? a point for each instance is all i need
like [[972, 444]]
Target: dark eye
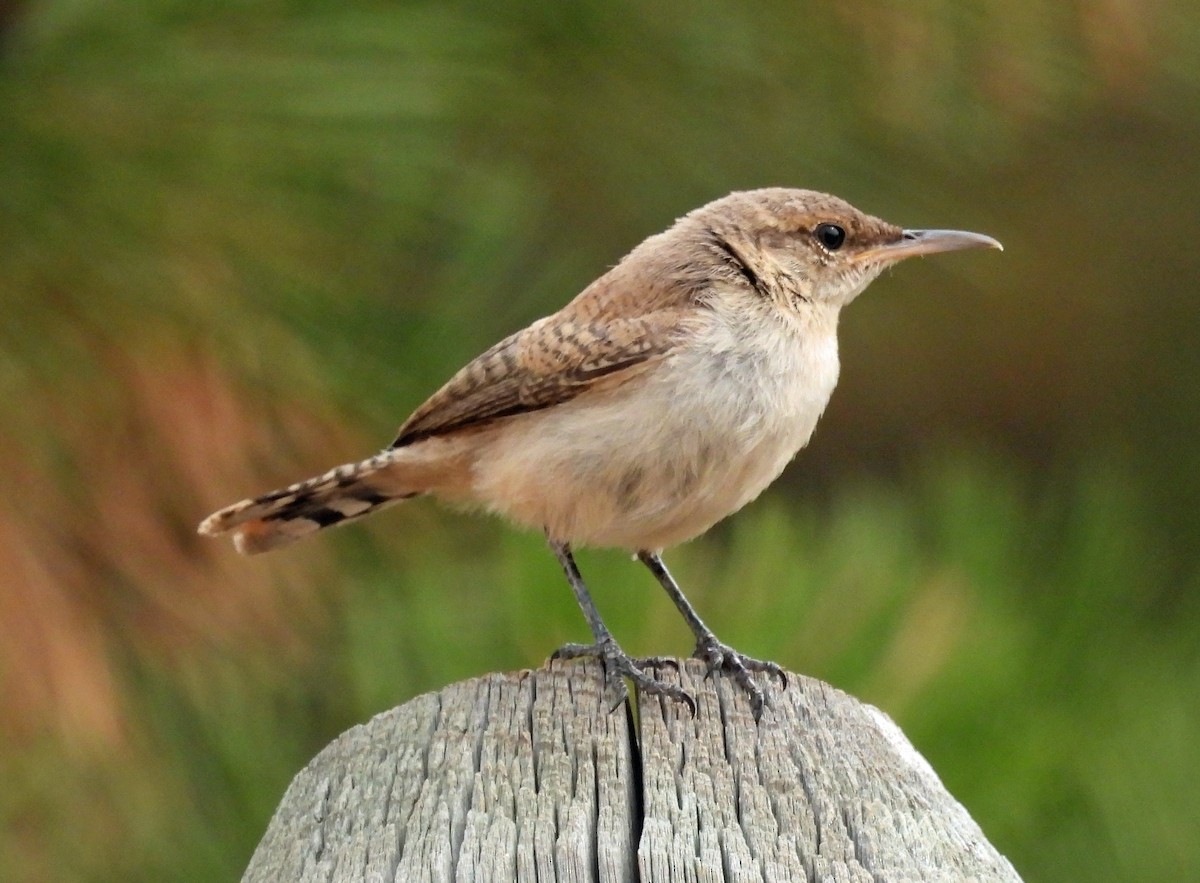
[[830, 235]]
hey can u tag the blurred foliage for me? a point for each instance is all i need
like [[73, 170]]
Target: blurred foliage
[[241, 240]]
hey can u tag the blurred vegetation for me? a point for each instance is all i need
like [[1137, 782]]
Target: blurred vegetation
[[241, 240]]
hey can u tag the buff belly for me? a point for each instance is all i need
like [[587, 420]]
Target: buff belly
[[660, 460]]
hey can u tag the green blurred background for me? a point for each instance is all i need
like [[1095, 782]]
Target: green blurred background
[[240, 241]]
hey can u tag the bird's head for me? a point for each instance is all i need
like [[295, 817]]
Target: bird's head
[[800, 246]]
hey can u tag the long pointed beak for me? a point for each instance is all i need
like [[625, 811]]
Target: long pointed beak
[[918, 242]]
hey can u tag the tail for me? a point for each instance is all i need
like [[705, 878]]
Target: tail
[[342, 495]]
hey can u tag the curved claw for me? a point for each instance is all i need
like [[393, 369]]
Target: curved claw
[[772, 669], [657, 662], [686, 698]]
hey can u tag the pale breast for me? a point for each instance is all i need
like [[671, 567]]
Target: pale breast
[[661, 459]]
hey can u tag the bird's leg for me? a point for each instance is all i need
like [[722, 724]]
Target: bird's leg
[[714, 653], [617, 663]]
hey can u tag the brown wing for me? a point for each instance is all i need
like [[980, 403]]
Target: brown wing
[[552, 361]]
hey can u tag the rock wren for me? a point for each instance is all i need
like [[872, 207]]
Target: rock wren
[[665, 396]]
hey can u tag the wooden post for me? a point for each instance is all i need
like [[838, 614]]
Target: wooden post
[[529, 776]]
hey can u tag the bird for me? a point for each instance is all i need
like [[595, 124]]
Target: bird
[[665, 396]]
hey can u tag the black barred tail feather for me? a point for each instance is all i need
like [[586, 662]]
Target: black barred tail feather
[[340, 496]]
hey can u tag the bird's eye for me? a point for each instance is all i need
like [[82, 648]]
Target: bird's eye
[[830, 235]]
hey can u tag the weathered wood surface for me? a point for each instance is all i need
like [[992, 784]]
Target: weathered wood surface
[[528, 776]]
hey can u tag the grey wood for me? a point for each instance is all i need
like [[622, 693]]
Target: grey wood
[[530, 776]]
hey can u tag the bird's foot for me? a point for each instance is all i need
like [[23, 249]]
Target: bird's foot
[[619, 666], [722, 657]]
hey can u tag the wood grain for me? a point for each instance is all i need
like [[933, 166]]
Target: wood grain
[[529, 776]]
